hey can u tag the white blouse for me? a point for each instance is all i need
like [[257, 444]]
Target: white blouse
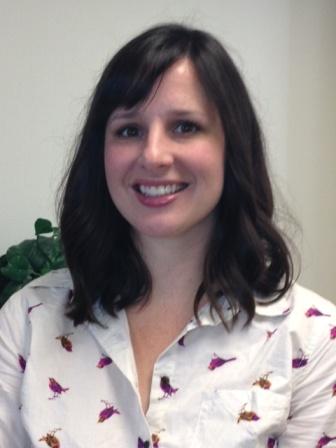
[[269, 384]]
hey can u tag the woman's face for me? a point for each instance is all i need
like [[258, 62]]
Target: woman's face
[[164, 159]]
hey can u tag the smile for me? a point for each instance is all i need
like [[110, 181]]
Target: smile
[[159, 190]]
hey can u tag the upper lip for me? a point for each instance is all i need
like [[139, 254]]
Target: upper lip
[[157, 182]]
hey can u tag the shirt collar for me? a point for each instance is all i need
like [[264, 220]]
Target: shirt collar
[[208, 318], [266, 308], [61, 278], [275, 308]]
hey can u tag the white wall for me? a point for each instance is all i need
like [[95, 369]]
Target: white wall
[[51, 55], [312, 138]]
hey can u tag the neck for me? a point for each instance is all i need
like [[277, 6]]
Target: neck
[[176, 267]]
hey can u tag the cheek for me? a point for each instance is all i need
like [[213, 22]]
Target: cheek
[[218, 183], [114, 177], [215, 175], [116, 165], [109, 164], [113, 173], [219, 164], [210, 165]]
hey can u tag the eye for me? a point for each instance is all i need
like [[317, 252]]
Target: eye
[[129, 131], [186, 127]]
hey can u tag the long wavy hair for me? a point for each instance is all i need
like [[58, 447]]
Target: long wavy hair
[[246, 255]]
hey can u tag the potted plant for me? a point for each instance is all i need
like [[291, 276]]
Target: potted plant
[[30, 259]]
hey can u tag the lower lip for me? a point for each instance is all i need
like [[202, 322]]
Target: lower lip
[[156, 201]]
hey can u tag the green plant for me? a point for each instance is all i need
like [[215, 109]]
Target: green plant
[[30, 259]]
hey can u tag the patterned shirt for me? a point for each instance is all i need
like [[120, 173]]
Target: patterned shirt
[[271, 383]]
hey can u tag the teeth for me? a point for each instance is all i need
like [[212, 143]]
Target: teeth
[[159, 190]]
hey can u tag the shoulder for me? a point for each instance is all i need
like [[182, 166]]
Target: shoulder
[[311, 313], [51, 289], [297, 303], [313, 322], [304, 317], [303, 297], [312, 327], [60, 278], [38, 306]]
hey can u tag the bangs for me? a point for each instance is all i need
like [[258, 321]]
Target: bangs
[[130, 76]]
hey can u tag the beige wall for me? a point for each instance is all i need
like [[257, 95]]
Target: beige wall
[[51, 55], [312, 138]]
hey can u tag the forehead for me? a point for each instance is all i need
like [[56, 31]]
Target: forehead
[[181, 80], [179, 88]]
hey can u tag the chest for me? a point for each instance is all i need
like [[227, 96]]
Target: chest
[[148, 343], [200, 389]]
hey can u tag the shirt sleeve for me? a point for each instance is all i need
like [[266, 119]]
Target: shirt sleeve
[[312, 420], [14, 346]]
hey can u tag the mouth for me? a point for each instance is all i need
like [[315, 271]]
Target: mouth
[[160, 190]]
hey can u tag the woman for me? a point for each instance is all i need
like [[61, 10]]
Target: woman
[[178, 323]]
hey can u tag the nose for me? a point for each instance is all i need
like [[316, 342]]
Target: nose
[[157, 149]]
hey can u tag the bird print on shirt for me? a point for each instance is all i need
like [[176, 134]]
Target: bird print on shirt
[[333, 332], [30, 308], [104, 361], [300, 361], [315, 312], [56, 388], [324, 441], [155, 441], [216, 362], [22, 363], [263, 381], [166, 387], [107, 412], [65, 341], [270, 333], [248, 416], [146, 444], [272, 443], [50, 439], [143, 443]]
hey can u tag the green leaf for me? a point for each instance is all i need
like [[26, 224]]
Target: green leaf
[[20, 262], [3, 261], [49, 246], [29, 250], [25, 246], [43, 226], [18, 269], [30, 259], [46, 268], [16, 275], [58, 262], [3, 280], [13, 252], [37, 259]]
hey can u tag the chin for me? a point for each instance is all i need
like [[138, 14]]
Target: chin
[[158, 233]]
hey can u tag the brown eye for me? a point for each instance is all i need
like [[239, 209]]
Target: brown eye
[[128, 132], [186, 127]]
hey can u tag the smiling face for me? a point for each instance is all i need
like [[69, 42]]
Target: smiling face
[[164, 159]]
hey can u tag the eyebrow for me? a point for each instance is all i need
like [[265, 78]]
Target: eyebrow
[[124, 114], [129, 114]]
